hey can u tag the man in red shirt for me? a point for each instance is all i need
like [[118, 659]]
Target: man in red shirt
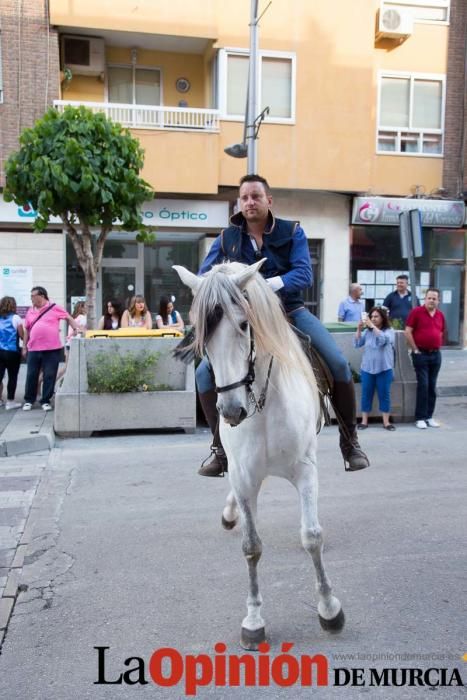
[[425, 329]]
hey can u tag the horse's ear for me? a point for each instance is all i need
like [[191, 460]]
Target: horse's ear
[[242, 278], [188, 278]]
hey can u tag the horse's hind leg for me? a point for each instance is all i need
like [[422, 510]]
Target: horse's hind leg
[[253, 624], [331, 615], [230, 512]]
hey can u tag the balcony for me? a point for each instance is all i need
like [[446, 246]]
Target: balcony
[[148, 117]]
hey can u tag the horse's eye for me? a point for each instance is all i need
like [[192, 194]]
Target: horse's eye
[[244, 326]]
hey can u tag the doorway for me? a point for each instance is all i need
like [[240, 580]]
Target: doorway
[[448, 279]]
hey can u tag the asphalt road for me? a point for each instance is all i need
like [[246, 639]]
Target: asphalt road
[[128, 553]]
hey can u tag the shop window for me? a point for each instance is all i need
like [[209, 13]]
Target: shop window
[[312, 295], [376, 261], [134, 85], [422, 11], [276, 81], [411, 114], [159, 277]]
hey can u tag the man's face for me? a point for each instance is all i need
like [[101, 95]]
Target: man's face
[[254, 202], [37, 299], [432, 301], [401, 286], [356, 292]]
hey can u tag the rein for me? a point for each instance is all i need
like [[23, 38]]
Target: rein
[[248, 380]]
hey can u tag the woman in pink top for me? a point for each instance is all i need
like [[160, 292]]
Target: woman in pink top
[[43, 346]]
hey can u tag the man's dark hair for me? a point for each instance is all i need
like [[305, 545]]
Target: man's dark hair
[[433, 289], [41, 291], [256, 178], [402, 277]]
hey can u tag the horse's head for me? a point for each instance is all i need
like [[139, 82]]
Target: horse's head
[[221, 315]]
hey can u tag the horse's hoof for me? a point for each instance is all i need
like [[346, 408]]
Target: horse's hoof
[[228, 524], [251, 639], [335, 624]]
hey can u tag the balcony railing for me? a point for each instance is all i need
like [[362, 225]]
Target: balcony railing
[[148, 117]]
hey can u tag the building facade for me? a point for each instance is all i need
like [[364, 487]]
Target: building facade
[[357, 107]]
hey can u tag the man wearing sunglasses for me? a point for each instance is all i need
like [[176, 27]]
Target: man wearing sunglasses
[[254, 233]]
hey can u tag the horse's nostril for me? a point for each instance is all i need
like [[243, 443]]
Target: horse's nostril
[[242, 414]]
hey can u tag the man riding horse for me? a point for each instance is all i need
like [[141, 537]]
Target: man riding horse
[[254, 233]]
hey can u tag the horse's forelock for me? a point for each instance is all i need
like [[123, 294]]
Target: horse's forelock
[[217, 296]]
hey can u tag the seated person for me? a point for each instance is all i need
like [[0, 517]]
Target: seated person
[[167, 316]]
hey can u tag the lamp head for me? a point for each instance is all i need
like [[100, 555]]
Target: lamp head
[[237, 150]]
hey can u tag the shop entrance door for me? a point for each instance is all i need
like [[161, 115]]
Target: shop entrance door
[[448, 279], [119, 279]]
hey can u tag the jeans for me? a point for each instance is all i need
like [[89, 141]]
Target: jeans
[[47, 361], [321, 339], [10, 361], [426, 366], [382, 383]]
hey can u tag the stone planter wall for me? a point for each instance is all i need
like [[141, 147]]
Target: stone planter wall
[[79, 413], [404, 386]]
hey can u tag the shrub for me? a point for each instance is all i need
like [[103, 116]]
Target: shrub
[[110, 372]]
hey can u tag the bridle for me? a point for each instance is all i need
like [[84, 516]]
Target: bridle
[[248, 380]]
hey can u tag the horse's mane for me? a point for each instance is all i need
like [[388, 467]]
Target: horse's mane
[[219, 294]]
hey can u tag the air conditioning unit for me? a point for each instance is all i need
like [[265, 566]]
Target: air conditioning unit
[[84, 55], [394, 22]]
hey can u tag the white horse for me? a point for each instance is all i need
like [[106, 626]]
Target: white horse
[[269, 407]]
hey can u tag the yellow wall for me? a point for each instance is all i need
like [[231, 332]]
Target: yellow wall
[[187, 163], [333, 143], [84, 88]]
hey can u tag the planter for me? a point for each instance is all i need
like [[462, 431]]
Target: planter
[[404, 386], [78, 413]]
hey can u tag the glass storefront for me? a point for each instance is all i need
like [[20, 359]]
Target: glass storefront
[[129, 268], [376, 261]]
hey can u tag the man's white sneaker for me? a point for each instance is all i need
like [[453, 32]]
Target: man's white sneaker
[[432, 423], [27, 406], [10, 405], [421, 424], [47, 407]]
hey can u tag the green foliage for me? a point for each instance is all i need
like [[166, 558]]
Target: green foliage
[[80, 166], [397, 324], [110, 372]]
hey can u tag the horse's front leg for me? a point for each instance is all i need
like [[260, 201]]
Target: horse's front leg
[[330, 613], [253, 624]]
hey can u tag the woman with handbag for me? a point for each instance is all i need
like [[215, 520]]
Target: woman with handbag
[[43, 346]]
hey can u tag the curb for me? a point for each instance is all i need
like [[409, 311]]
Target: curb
[[451, 390], [13, 585], [28, 432]]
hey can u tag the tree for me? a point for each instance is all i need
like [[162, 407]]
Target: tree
[[83, 168]]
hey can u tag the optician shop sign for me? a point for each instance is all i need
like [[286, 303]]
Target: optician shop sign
[[178, 213], [384, 211]]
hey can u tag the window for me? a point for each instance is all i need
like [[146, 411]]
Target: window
[[134, 85], [276, 80], [411, 114], [423, 11]]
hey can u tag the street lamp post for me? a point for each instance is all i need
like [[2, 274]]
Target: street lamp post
[[248, 147]]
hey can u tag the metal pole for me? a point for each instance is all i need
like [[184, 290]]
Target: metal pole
[[252, 110]]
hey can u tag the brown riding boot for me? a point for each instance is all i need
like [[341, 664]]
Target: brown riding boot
[[343, 399], [218, 464]]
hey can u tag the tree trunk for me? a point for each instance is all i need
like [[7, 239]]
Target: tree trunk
[[89, 261]]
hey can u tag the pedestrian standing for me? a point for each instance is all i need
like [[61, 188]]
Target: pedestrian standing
[[376, 370], [11, 330], [351, 309], [425, 331], [399, 302], [43, 346]]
